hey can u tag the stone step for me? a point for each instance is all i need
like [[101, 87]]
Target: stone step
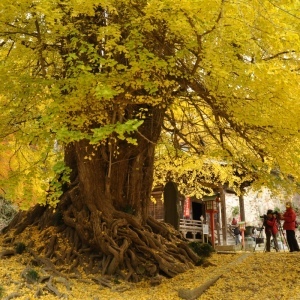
[[228, 248]]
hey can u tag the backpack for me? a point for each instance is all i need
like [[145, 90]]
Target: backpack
[[236, 231]]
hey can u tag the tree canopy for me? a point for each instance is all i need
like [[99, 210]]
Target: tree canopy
[[226, 72], [98, 96], [239, 108]]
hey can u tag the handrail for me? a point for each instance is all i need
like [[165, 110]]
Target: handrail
[[188, 222], [230, 229], [193, 227]]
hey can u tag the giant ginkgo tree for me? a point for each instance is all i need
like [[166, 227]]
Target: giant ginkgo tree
[[86, 89]]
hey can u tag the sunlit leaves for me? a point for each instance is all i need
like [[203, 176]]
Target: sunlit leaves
[[245, 113], [227, 72], [121, 131]]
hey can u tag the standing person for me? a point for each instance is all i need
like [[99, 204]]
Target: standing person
[[254, 233], [289, 226], [233, 224], [234, 221], [271, 230], [237, 233]]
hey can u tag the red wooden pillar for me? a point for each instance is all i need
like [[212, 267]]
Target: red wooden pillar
[[212, 209]]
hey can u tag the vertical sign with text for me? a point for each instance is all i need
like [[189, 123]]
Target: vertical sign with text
[[187, 208]]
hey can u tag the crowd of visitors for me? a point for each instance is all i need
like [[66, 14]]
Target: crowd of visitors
[[273, 229]]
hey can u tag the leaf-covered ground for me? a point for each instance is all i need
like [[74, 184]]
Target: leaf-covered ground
[[239, 276]]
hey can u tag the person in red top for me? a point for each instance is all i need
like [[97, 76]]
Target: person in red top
[[234, 221], [271, 230], [289, 218]]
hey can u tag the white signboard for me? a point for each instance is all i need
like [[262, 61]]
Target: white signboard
[[205, 228]]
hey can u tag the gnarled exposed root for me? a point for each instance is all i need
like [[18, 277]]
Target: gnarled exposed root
[[97, 244]]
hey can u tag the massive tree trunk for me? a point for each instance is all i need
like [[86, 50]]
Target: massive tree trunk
[[103, 213]]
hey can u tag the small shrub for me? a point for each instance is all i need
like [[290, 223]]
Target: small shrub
[[202, 250], [117, 281], [235, 210], [20, 248], [200, 261], [1, 291], [32, 275]]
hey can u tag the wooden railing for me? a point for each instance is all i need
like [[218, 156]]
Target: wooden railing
[[230, 229], [192, 229]]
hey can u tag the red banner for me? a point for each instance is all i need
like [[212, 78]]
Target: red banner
[[187, 207]]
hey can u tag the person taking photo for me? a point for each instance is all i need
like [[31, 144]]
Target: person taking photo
[[271, 230], [289, 226]]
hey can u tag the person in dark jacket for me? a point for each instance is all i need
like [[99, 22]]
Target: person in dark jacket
[[289, 218], [271, 230], [237, 233]]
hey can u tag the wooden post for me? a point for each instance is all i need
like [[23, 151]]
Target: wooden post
[[212, 228], [242, 206], [223, 214]]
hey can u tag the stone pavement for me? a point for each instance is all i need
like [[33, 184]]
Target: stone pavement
[[191, 294]]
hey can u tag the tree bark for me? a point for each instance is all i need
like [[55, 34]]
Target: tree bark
[[242, 206]]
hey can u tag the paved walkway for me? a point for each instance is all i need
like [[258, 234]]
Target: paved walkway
[[195, 293]]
